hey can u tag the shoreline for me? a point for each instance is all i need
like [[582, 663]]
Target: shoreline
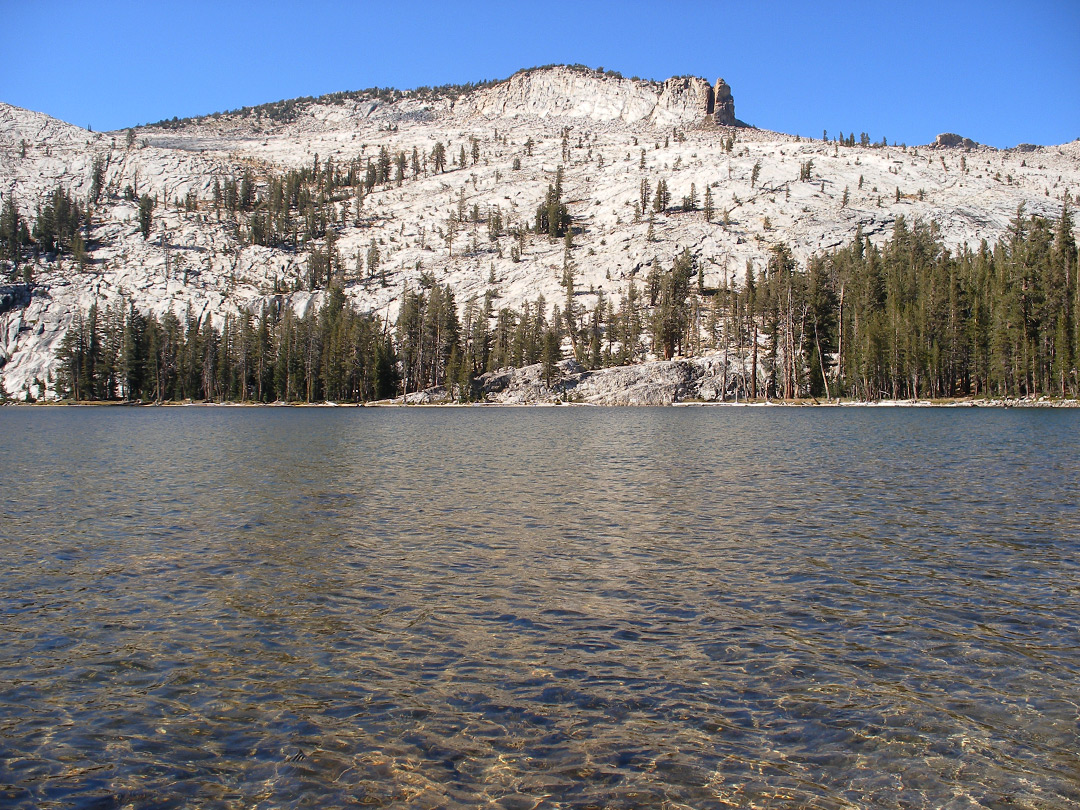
[[1042, 402]]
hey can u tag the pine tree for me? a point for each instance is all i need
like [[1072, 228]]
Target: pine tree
[[97, 181], [373, 258], [689, 202], [552, 354], [552, 216], [438, 157], [146, 214], [662, 198], [13, 232]]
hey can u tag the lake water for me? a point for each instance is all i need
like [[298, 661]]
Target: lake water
[[561, 607]]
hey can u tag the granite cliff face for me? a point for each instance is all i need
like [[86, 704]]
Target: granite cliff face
[[565, 92], [723, 109], [22, 129]]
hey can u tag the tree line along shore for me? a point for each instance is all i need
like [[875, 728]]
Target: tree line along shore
[[908, 319]]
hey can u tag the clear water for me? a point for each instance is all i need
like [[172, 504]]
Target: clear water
[[517, 608]]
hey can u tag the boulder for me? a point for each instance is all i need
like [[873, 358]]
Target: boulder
[[950, 140]]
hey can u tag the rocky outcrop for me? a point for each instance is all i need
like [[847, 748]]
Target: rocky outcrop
[[723, 105], [683, 100], [25, 130], [660, 382], [950, 140], [575, 93]]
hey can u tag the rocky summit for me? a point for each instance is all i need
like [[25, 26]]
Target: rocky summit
[[210, 217]]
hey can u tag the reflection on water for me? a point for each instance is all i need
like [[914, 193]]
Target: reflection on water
[[539, 608]]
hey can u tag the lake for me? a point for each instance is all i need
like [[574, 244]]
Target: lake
[[550, 607]]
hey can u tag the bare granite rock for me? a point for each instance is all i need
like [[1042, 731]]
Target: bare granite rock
[[565, 92], [724, 105], [659, 382], [950, 140]]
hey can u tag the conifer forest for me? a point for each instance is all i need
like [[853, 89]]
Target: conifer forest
[[906, 319]]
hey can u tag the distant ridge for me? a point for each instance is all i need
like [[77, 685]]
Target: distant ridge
[[678, 99]]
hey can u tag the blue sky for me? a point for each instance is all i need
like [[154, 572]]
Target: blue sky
[[998, 72]]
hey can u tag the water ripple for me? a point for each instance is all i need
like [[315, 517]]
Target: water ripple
[[539, 608]]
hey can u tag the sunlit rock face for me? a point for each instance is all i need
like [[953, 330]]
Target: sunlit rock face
[[723, 104], [570, 93]]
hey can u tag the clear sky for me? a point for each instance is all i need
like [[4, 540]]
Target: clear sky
[[998, 72]]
